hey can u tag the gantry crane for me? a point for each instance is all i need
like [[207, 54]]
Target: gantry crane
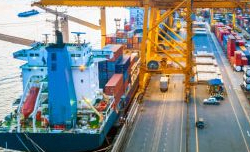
[[179, 52]]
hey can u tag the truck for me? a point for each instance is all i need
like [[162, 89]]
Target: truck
[[164, 81]]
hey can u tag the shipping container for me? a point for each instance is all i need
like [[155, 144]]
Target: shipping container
[[114, 85], [123, 64], [117, 50]]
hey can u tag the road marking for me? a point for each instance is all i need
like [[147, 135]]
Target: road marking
[[220, 56], [195, 118], [238, 122], [182, 122], [248, 134]]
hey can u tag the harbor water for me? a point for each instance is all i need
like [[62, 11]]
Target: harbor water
[[32, 28]]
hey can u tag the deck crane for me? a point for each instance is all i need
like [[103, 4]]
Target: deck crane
[[181, 55]]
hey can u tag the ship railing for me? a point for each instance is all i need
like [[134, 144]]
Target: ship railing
[[107, 114], [27, 87], [33, 114], [21, 103], [29, 84]]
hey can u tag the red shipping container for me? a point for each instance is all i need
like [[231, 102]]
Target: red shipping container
[[237, 62], [120, 34], [244, 61], [108, 40], [127, 27], [237, 55], [241, 42], [232, 60], [130, 40], [114, 85], [135, 39]]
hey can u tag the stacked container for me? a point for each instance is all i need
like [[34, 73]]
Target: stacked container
[[110, 39], [115, 87], [107, 68], [123, 68], [237, 61], [231, 47]]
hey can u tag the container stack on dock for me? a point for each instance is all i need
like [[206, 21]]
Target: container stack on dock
[[130, 39], [233, 45], [206, 67], [130, 36], [244, 22]]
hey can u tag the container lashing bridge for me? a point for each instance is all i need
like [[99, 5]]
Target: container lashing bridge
[[177, 52]]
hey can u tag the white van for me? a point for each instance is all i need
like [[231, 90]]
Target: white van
[[164, 81]]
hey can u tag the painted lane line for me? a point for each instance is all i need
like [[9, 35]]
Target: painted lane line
[[231, 103], [195, 118], [239, 125], [248, 134], [182, 109]]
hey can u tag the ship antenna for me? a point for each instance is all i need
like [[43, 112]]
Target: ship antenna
[[46, 38], [78, 39], [117, 23]]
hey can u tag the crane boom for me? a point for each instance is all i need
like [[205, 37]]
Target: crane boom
[[71, 18]]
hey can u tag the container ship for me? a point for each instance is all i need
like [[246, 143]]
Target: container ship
[[72, 96]]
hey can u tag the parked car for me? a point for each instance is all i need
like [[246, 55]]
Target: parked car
[[211, 100]]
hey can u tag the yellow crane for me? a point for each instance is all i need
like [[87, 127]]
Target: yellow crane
[[181, 51]]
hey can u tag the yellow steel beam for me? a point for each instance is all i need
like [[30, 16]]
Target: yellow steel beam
[[172, 39], [171, 44], [143, 75], [167, 71], [202, 4], [177, 35], [140, 3], [189, 58], [165, 15], [97, 3], [212, 16], [169, 56], [234, 19], [103, 26], [151, 34]]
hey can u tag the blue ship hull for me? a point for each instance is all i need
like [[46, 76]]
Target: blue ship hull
[[56, 142]]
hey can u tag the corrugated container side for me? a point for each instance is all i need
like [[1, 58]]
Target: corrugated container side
[[114, 84]]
